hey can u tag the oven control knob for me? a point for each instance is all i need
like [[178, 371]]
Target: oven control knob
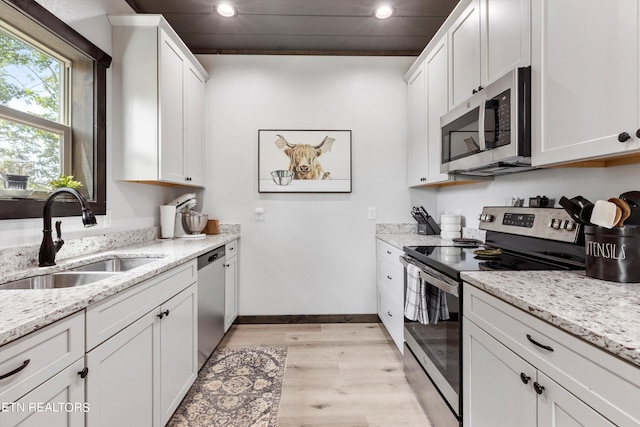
[[489, 218], [556, 224], [569, 225], [481, 217]]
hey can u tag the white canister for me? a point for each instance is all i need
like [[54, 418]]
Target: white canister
[[450, 227], [450, 235], [167, 221]]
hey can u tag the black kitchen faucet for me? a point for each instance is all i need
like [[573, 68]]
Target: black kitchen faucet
[[49, 249]]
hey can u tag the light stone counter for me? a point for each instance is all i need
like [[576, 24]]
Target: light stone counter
[[603, 313], [26, 310], [410, 239]]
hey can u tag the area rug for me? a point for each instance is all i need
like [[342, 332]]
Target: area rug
[[237, 387]]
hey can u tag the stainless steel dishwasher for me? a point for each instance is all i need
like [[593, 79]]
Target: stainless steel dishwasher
[[210, 302]]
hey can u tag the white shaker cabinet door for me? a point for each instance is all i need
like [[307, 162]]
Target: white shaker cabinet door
[[178, 349], [171, 111], [194, 116], [418, 148], [584, 79], [437, 69], [464, 65], [122, 385], [506, 37], [494, 389], [559, 408]]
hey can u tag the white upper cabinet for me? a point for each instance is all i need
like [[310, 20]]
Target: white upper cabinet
[[585, 79], [506, 37], [161, 116], [418, 152], [464, 45], [437, 68], [488, 39]]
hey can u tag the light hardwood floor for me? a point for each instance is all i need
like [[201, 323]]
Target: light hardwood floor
[[338, 374]]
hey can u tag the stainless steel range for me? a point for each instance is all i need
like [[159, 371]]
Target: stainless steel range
[[517, 239]]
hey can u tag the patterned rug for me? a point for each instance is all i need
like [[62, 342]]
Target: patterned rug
[[237, 387]]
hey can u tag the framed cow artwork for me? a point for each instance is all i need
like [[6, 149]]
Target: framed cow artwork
[[304, 161]]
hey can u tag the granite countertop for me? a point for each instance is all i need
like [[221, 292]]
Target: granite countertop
[[409, 239], [26, 310], [603, 313]]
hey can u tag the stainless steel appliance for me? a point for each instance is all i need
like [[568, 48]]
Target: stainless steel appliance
[[210, 302], [490, 134], [518, 238]]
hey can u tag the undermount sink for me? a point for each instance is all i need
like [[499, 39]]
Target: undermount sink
[[65, 279], [115, 264]]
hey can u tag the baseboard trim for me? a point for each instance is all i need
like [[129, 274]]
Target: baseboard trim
[[308, 318]]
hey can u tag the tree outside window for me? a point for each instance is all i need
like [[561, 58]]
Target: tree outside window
[[34, 112]]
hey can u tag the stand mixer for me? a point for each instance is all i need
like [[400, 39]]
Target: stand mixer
[[184, 203]]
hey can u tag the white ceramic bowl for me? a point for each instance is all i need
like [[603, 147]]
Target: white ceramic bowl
[[448, 235], [450, 227], [450, 219]]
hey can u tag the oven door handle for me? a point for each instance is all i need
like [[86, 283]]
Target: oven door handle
[[431, 279]]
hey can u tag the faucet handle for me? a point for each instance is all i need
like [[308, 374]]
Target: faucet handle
[[59, 242]]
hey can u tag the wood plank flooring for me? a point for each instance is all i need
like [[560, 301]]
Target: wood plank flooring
[[338, 374]]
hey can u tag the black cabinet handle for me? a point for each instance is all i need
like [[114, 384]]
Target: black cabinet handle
[[638, 133], [538, 388], [546, 347], [624, 137], [474, 91], [227, 265], [389, 314], [389, 277], [389, 252], [480, 88], [15, 371], [84, 372], [163, 313], [525, 378]]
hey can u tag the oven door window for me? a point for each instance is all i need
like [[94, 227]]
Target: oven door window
[[497, 120], [461, 137], [441, 342]]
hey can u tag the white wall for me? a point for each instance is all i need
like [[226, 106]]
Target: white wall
[[592, 183], [131, 205], [313, 253]]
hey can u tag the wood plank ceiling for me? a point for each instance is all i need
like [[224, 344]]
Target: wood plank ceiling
[[303, 26]]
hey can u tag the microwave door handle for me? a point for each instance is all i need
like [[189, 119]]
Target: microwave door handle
[[483, 143]]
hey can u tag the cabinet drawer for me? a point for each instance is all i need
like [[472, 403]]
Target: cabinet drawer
[[231, 249], [603, 381], [113, 314], [44, 352], [391, 277], [389, 252], [392, 317]]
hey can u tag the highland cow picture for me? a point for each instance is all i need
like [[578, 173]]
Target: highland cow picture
[[304, 161]]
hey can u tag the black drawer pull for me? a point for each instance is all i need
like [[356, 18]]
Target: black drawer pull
[[389, 314], [389, 252], [15, 371], [84, 372], [389, 277], [163, 313], [546, 347], [525, 378]]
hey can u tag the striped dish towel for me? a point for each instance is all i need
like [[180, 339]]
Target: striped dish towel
[[415, 300]]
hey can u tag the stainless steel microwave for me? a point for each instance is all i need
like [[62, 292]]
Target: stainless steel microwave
[[490, 134]]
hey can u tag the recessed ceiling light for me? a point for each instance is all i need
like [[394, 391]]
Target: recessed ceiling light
[[226, 10], [384, 12]]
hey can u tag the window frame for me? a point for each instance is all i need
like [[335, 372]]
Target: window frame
[[32, 208]]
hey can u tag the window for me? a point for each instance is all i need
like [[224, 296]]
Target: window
[[52, 111]]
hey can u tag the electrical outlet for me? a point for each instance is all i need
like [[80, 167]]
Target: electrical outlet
[[371, 213], [259, 214]]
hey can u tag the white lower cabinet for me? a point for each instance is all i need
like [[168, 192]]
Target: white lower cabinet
[[390, 280], [508, 380], [230, 284], [141, 373], [123, 380]]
